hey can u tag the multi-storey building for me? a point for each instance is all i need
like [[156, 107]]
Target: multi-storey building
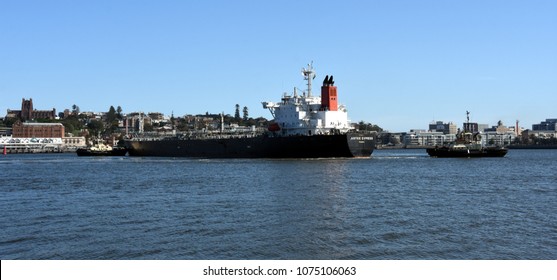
[[422, 138], [446, 128], [38, 130], [74, 142], [547, 125]]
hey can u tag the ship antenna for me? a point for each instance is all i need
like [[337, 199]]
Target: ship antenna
[[309, 75]]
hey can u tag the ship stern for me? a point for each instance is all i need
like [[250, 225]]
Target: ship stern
[[361, 144]]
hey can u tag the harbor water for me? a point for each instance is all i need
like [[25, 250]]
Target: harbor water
[[400, 204]]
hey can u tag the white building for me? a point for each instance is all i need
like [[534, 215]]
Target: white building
[[428, 138]]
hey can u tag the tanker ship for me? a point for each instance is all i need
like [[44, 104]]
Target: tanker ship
[[303, 126]]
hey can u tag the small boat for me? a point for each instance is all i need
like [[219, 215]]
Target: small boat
[[100, 149], [467, 145]]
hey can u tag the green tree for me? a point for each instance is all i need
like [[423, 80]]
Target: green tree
[[172, 120], [111, 115], [363, 126], [245, 116], [96, 127], [8, 122], [182, 126], [148, 127], [237, 112], [75, 110], [72, 124], [119, 113]]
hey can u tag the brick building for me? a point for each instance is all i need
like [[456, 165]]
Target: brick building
[[38, 130], [27, 112]]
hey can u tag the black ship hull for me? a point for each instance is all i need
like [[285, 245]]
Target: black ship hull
[[316, 146], [447, 152]]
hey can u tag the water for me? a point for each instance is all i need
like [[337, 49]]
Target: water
[[400, 204]]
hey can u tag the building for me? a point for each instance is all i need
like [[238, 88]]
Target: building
[[5, 131], [547, 125], [500, 128], [135, 122], [538, 136], [156, 117], [73, 143], [446, 128], [471, 127], [422, 138], [492, 138], [27, 112], [390, 138], [499, 135], [517, 129], [38, 130], [482, 127]]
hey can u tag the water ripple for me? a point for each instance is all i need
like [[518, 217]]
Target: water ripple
[[400, 204]]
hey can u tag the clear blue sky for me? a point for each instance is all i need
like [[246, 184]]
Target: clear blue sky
[[398, 64]]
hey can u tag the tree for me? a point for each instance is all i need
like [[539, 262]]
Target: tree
[[119, 112], [111, 115], [75, 110], [95, 126], [237, 112], [182, 126], [368, 127], [172, 119], [361, 125], [245, 116], [376, 128], [9, 121], [148, 127], [72, 124]]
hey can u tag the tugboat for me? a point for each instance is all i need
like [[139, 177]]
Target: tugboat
[[304, 126], [467, 145], [101, 149]]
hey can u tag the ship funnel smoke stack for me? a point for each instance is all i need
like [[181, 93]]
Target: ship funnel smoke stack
[[328, 81], [329, 100]]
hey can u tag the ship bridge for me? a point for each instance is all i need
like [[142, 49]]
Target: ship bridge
[[306, 114]]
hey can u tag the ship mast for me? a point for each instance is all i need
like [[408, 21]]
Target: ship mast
[[309, 75], [467, 116]]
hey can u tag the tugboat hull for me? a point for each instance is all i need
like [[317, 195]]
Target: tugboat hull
[[447, 152]]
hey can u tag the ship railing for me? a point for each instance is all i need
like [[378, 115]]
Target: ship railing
[[220, 136], [200, 135]]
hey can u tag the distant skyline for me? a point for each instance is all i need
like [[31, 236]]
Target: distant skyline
[[397, 64]]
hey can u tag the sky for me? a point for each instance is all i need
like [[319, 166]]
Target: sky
[[398, 64]]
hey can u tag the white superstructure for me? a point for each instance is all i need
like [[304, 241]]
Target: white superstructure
[[307, 114]]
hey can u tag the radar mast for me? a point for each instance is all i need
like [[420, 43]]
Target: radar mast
[[309, 75]]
